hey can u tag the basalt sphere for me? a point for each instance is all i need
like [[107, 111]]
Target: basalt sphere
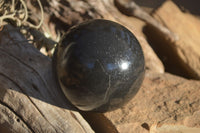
[[99, 65]]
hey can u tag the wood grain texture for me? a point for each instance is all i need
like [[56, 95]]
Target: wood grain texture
[[30, 99]]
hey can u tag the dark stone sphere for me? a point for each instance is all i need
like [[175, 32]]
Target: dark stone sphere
[[99, 65]]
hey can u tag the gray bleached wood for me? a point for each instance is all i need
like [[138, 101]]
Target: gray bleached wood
[[30, 100]]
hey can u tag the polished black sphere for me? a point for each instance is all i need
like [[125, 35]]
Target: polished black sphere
[[99, 65]]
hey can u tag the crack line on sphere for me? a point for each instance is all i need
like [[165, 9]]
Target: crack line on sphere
[[109, 80], [108, 89], [101, 66]]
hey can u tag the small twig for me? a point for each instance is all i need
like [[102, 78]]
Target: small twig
[[26, 11], [41, 40], [13, 6], [7, 16], [42, 17], [132, 9], [1, 28], [20, 16], [14, 14], [1, 3]]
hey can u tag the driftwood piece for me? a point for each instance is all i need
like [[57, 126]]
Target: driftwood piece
[[59, 16], [29, 93], [187, 49], [129, 7], [30, 99]]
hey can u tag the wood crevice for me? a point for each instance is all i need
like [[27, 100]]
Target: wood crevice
[[19, 117]]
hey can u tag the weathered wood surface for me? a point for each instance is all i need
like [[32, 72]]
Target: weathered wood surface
[[60, 16], [168, 100], [30, 100], [164, 100], [186, 26]]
